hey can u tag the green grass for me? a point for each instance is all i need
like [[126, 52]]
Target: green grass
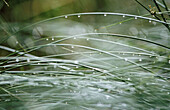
[[86, 61]]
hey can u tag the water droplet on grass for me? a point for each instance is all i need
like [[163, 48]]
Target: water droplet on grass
[[136, 17], [76, 62], [123, 16], [17, 60], [100, 90], [150, 21], [105, 71], [80, 73], [7, 100], [105, 14], [52, 38], [47, 39], [66, 17], [28, 60], [140, 59], [107, 96], [78, 16], [72, 46], [126, 59]]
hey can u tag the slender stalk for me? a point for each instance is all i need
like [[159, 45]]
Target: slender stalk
[[166, 25], [166, 7], [6, 3], [161, 14]]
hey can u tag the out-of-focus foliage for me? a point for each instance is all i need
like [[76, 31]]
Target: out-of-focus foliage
[[84, 55]]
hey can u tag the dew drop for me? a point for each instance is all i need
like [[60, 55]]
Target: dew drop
[[87, 39], [105, 71], [17, 60], [126, 59], [28, 60], [105, 14], [77, 66], [124, 104], [72, 46], [123, 16], [16, 42], [47, 39], [81, 73], [99, 90], [76, 62], [52, 38], [75, 38], [136, 17], [7, 100], [128, 79], [140, 59], [66, 17], [120, 23], [169, 61], [78, 16], [150, 21], [107, 96]]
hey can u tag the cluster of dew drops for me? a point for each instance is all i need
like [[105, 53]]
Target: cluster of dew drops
[[125, 59]]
